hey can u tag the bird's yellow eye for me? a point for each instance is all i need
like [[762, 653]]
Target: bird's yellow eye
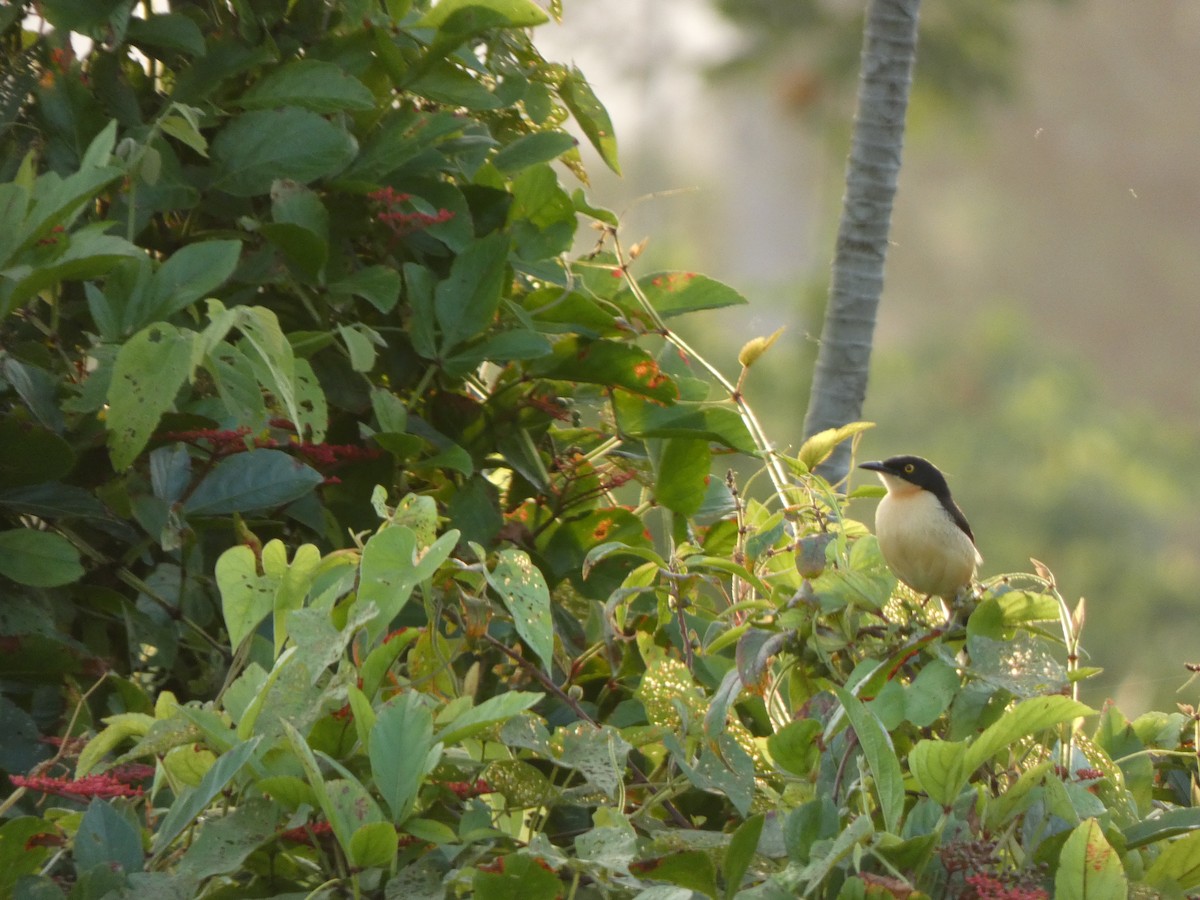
[[909, 469]]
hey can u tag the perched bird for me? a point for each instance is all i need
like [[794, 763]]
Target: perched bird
[[924, 536]]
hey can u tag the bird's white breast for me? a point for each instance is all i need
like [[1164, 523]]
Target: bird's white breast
[[923, 545]]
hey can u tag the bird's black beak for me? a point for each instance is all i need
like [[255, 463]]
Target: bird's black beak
[[873, 466]]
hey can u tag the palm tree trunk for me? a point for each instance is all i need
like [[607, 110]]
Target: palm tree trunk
[[840, 378]]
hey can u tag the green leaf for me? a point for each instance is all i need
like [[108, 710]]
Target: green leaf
[[38, 558], [447, 83], [170, 31], [740, 853], [190, 274], [591, 115], [517, 877], [1169, 824], [257, 479], [503, 347], [940, 769], [817, 448], [542, 216], [640, 418], [675, 293], [1089, 868], [246, 596], [516, 13], [149, 370], [881, 758], [261, 146], [53, 500], [378, 285], [225, 842], [530, 149], [467, 300], [189, 804], [360, 343], [105, 837], [1026, 718], [691, 869], [682, 473], [400, 746], [30, 454], [393, 563], [523, 589], [374, 845], [607, 363], [90, 253], [1178, 865], [794, 747], [312, 84], [479, 718]]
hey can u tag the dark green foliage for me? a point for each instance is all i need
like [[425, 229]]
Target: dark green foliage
[[358, 541]]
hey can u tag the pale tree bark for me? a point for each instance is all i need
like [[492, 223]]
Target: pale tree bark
[[840, 378]]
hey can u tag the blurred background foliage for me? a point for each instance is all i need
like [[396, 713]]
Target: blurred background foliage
[[1035, 335]]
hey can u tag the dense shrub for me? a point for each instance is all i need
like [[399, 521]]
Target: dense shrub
[[359, 539]]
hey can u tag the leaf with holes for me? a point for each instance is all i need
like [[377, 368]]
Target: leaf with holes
[[246, 596], [591, 115], [523, 589], [150, 369]]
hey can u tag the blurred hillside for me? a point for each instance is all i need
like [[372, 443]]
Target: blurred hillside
[[1035, 337]]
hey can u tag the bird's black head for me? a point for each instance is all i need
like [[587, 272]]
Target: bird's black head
[[914, 470]]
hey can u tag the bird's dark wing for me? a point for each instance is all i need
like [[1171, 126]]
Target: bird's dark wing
[[957, 515]]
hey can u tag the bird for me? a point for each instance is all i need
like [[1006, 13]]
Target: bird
[[924, 536]]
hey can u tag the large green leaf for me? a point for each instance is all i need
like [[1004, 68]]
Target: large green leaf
[[641, 418], [530, 149], [105, 837], [1026, 718], [400, 745], [591, 115], [1089, 868], [523, 589], [261, 146], [514, 13], [1178, 865], [245, 482], [247, 595], [89, 253], [675, 293], [190, 274], [149, 370], [496, 709], [224, 842], [190, 803], [313, 84], [38, 558], [466, 301], [30, 454], [881, 758], [682, 474], [393, 564], [607, 363]]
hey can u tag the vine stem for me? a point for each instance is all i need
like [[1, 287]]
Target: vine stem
[[775, 469]]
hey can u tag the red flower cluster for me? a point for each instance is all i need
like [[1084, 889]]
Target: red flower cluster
[[106, 785], [400, 221], [307, 834], [465, 790], [990, 887], [225, 443]]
